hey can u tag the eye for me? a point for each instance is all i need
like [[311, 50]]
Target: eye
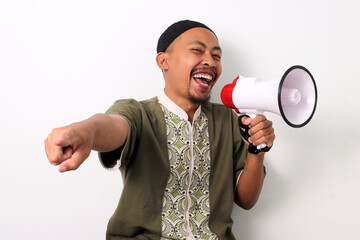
[[216, 56], [197, 50]]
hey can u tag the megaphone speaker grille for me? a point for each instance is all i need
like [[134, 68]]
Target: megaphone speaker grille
[[297, 96]]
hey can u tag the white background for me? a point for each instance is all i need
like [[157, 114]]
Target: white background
[[63, 61]]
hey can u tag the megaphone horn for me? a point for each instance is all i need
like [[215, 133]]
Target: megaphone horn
[[294, 96]]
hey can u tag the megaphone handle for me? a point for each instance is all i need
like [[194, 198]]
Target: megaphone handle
[[245, 134]]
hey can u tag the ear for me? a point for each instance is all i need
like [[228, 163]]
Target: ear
[[161, 60]]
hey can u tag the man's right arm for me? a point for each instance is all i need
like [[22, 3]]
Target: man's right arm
[[69, 146]]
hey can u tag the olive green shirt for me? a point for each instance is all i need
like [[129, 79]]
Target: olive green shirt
[[144, 164]]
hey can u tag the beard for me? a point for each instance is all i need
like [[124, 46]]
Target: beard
[[199, 100]]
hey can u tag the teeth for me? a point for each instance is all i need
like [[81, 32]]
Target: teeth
[[204, 76]]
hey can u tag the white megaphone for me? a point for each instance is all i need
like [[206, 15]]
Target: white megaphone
[[294, 96]]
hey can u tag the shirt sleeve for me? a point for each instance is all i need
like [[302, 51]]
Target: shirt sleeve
[[112, 160], [129, 110], [239, 148]]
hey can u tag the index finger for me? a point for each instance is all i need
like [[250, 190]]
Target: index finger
[[257, 119]]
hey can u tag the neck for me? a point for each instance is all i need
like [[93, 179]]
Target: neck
[[190, 109], [185, 104]]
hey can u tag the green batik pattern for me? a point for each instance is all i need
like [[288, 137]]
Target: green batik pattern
[[174, 225]]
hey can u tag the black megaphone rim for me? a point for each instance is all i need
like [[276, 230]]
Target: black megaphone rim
[[279, 97]]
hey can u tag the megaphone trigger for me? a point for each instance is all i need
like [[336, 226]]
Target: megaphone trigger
[[244, 128], [244, 131]]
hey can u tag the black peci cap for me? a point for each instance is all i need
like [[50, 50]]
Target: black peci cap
[[175, 30]]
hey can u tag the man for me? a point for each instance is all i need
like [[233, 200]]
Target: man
[[182, 159]]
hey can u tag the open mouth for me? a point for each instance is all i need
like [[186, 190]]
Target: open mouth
[[203, 79]]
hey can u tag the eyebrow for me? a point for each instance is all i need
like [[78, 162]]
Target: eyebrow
[[204, 45]]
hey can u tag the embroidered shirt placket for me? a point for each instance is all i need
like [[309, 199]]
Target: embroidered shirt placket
[[191, 169], [176, 221]]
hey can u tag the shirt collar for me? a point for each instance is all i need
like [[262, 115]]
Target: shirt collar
[[170, 105]]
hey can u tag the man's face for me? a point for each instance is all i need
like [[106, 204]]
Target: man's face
[[194, 65]]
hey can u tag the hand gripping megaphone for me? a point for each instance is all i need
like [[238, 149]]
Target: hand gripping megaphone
[[294, 96]]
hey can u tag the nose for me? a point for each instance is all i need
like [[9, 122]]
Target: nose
[[208, 60]]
